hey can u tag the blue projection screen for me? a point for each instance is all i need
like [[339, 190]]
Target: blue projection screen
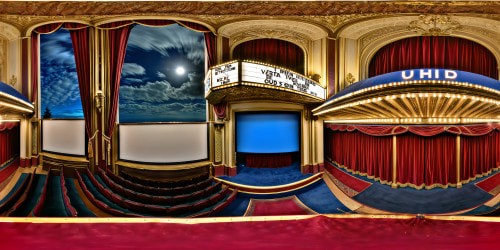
[[267, 132]]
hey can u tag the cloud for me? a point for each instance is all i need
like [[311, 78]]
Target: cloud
[[161, 75], [163, 91], [59, 87], [163, 39], [162, 112], [57, 48], [133, 69]]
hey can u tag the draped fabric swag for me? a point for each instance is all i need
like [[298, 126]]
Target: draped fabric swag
[[220, 110], [80, 40], [9, 141], [272, 51], [434, 52], [426, 155], [117, 37]]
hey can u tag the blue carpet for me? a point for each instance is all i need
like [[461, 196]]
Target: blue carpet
[[322, 200], [33, 196], [267, 176], [482, 210], [316, 196], [76, 201], [409, 200], [54, 204]]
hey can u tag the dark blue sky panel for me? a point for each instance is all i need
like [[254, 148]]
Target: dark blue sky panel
[[162, 77], [59, 81], [267, 132]]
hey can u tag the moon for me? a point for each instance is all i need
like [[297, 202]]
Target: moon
[[180, 70]]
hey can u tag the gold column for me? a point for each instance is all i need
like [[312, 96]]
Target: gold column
[[459, 182], [394, 162]]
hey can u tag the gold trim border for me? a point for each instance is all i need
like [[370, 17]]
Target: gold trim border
[[192, 221]]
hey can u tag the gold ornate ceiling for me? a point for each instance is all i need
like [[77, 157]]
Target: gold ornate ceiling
[[24, 13]]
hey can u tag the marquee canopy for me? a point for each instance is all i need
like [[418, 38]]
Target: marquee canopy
[[418, 96], [12, 102]]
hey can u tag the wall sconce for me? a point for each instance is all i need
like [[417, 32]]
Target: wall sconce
[[13, 80], [349, 78], [99, 100]]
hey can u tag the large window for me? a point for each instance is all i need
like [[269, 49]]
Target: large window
[[162, 77], [60, 95]]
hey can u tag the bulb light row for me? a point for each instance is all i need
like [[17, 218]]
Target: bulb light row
[[394, 84], [410, 95], [436, 120]]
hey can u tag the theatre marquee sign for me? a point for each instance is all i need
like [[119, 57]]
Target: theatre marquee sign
[[261, 75]]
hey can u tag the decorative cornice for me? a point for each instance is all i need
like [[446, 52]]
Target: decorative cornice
[[297, 8], [434, 25]]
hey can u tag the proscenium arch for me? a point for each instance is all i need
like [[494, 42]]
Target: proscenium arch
[[372, 34], [311, 38]]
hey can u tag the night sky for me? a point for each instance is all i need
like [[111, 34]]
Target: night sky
[[162, 77], [152, 90], [59, 82]]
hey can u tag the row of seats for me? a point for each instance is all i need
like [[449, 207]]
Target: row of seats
[[165, 183], [119, 200], [155, 190], [17, 194]]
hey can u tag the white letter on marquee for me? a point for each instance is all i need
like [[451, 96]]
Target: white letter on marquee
[[403, 74], [424, 73], [450, 74]]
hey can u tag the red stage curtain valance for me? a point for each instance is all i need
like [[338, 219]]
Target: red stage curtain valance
[[220, 110], [434, 52], [268, 160], [425, 130], [273, 51], [8, 125]]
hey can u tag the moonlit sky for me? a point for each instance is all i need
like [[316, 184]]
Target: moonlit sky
[[153, 89], [59, 82]]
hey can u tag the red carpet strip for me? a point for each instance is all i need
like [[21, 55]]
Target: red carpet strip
[[491, 184], [350, 181], [280, 206], [318, 232]]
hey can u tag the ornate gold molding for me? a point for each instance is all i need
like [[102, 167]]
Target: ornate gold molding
[[434, 25]]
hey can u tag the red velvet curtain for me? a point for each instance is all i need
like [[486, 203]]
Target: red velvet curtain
[[422, 130], [80, 41], [361, 153], [268, 160], [434, 52], [479, 154], [9, 141], [410, 159], [117, 46], [426, 160], [273, 51]]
